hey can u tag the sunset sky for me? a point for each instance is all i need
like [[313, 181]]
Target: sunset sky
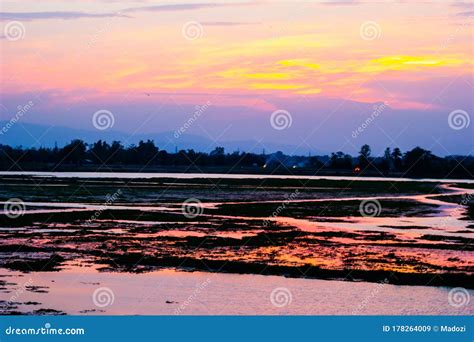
[[327, 64]]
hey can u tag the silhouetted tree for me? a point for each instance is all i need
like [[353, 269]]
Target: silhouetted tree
[[146, 152], [387, 162], [74, 152], [419, 161], [117, 153], [99, 152], [218, 155], [397, 158], [339, 160], [364, 156]]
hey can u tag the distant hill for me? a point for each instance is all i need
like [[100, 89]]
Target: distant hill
[[34, 135]]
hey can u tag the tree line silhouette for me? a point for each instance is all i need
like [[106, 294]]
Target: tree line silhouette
[[417, 162]]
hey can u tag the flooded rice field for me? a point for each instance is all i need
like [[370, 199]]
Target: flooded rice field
[[222, 245]]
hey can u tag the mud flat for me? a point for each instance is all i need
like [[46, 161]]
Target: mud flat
[[318, 230]]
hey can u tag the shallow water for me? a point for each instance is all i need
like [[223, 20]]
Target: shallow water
[[197, 293], [143, 175]]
